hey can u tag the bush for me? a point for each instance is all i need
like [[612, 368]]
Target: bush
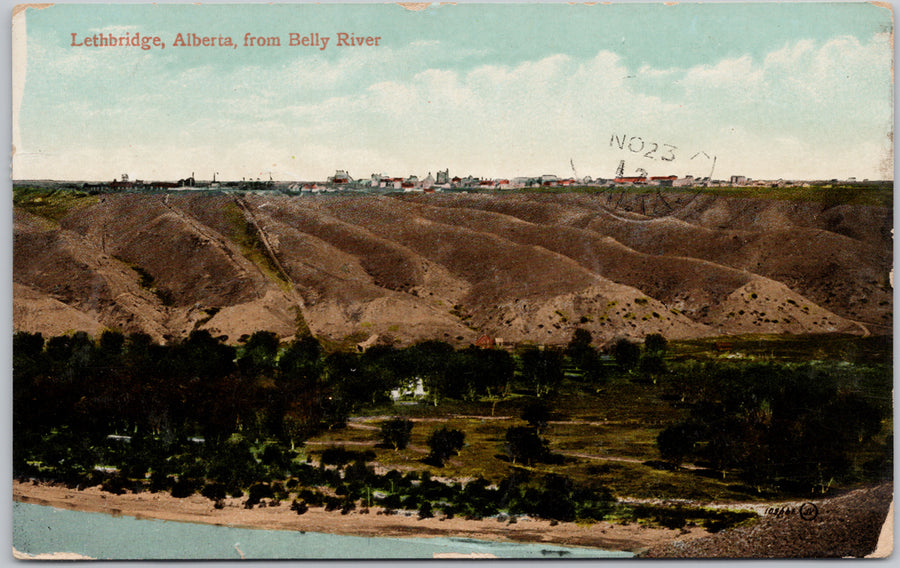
[[655, 343], [184, 488], [444, 443], [523, 444], [396, 432], [258, 492], [347, 505], [311, 497], [299, 507], [159, 481], [626, 354], [115, 485], [213, 491], [537, 414]]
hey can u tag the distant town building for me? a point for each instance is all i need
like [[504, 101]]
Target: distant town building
[[411, 184], [443, 177], [485, 342], [340, 177], [683, 182], [663, 181], [635, 180]]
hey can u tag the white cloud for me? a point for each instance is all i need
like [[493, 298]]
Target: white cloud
[[804, 110]]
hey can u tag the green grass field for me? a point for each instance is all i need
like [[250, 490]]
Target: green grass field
[[879, 194], [52, 204], [607, 434], [613, 433]]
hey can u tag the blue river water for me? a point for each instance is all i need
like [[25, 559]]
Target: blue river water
[[42, 529]]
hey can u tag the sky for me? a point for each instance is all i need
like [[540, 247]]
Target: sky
[[764, 90]]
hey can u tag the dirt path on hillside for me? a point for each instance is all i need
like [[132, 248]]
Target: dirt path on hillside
[[211, 237]]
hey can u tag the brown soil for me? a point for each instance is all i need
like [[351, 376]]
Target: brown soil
[[521, 267], [197, 509]]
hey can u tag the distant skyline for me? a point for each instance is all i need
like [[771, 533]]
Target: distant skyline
[[770, 90]]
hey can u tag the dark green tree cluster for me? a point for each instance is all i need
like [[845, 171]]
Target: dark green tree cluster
[[556, 497], [395, 433], [646, 360], [195, 387], [76, 400], [467, 374], [542, 369], [444, 443], [785, 426], [127, 402], [551, 497], [585, 357]]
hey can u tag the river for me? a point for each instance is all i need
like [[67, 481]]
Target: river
[[41, 529]]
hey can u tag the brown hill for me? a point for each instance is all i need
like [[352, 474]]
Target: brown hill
[[838, 256], [523, 267]]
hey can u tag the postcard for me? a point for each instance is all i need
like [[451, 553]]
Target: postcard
[[416, 281]]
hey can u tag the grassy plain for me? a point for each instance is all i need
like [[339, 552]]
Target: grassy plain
[[607, 433], [52, 204], [879, 194]]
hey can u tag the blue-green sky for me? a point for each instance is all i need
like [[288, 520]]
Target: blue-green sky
[[771, 90]]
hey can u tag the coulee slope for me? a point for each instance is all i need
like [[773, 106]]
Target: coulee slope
[[522, 267]]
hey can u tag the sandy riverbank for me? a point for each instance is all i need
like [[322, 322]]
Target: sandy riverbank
[[197, 509]]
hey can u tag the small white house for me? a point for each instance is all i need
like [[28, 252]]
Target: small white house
[[412, 391]]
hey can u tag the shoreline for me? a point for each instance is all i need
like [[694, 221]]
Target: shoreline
[[604, 535]]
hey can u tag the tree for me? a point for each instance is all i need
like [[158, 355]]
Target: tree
[[542, 368], [584, 356], [259, 353], [652, 358], [396, 432], [299, 381], [676, 442], [357, 381], [425, 511], [111, 342], [495, 370], [626, 354], [301, 365], [524, 444], [444, 443], [537, 414], [579, 345], [794, 427], [427, 360], [656, 344], [473, 372]]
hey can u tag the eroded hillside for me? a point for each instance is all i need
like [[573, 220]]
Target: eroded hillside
[[521, 267]]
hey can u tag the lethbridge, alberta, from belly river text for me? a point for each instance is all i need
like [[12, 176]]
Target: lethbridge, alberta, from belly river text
[[191, 39]]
